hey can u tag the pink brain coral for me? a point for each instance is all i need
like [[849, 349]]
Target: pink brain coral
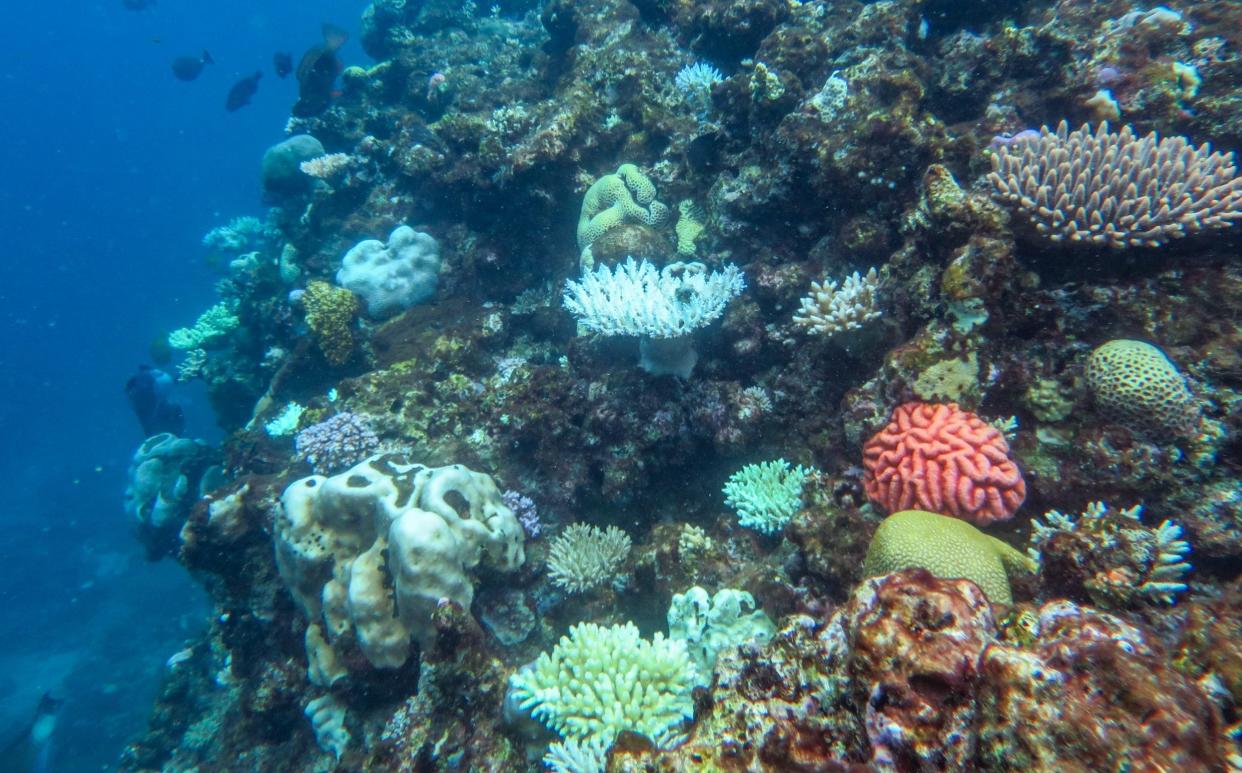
[[943, 459]]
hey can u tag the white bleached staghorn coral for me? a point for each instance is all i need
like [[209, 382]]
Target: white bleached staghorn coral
[[1116, 189], [831, 308], [662, 307], [637, 300]]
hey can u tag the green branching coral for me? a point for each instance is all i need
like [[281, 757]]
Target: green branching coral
[[626, 196], [948, 548], [766, 495], [330, 312], [600, 681], [212, 323]]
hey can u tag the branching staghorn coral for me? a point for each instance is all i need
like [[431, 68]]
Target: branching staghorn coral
[[584, 557], [1116, 189], [1110, 556], [766, 495], [831, 308]]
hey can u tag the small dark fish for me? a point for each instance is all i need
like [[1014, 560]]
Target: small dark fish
[[138, 5], [187, 68], [242, 91], [317, 73], [150, 395], [283, 62]]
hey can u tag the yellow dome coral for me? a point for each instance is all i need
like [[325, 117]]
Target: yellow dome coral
[[329, 313], [948, 548], [1135, 384]]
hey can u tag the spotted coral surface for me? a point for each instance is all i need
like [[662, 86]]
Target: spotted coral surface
[[940, 458], [1135, 384]]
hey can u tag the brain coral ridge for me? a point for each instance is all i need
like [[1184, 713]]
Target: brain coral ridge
[[940, 458]]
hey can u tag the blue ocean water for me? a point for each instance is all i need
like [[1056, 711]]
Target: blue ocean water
[[113, 170]]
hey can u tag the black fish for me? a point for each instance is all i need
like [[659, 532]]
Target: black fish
[[242, 91], [150, 394], [317, 73], [283, 62], [187, 68]]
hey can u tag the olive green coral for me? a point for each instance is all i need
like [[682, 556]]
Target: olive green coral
[[626, 196], [330, 312], [1135, 384], [946, 547]]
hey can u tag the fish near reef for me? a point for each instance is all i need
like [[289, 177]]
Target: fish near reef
[[242, 91], [282, 61], [187, 68], [317, 73]]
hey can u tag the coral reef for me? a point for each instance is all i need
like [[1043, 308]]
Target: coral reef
[[954, 372]]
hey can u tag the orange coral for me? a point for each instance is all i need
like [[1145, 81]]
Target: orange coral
[[943, 459]]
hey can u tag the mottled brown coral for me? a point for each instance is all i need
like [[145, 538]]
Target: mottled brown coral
[[330, 312]]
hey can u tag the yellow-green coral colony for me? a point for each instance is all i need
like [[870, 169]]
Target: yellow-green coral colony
[[947, 547]]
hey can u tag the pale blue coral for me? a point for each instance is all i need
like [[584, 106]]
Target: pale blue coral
[[766, 495]]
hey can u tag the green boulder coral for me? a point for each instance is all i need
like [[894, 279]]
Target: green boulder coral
[[626, 196], [948, 548]]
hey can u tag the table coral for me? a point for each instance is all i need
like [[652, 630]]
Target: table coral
[[943, 459]]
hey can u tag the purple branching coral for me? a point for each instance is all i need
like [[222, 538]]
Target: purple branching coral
[[527, 514], [336, 443]]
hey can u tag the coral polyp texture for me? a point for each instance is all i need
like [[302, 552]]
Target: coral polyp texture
[[940, 458], [833, 308], [599, 681], [330, 313], [1116, 189], [1137, 385], [946, 547], [375, 549], [625, 196], [339, 441]]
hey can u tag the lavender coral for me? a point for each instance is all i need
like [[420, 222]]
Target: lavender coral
[[336, 443]]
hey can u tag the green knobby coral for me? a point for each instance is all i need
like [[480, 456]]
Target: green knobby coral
[[212, 323], [766, 495], [626, 196], [689, 226], [948, 548], [600, 681], [709, 625]]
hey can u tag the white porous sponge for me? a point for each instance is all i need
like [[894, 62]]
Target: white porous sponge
[[374, 549], [394, 276]]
